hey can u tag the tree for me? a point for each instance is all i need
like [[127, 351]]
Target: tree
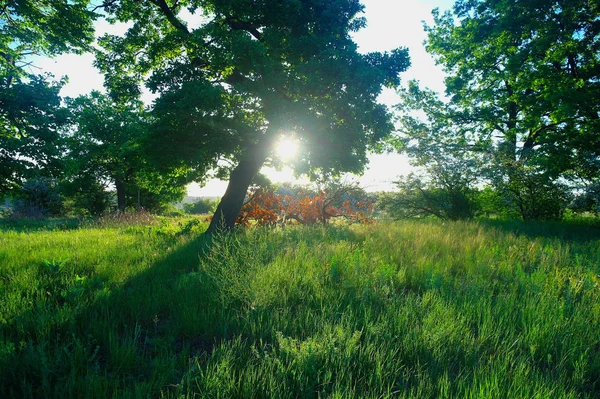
[[588, 200], [526, 74], [107, 148], [442, 193], [202, 206], [43, 28], [30, 112], [38, 197], [31, 119], [248, 72], [450, 159], [523, 87]]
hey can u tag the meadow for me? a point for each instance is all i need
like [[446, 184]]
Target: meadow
[[411, 309]]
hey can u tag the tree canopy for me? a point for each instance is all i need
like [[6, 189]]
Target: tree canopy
[[525, 73], [107, 146], [31, 115]]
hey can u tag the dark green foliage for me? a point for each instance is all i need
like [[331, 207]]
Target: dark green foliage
[[31, 119], [85, 196], [588, 200], [42, 27], [417, 197], [31, 116], [536, 196], [525, 71], [494, 204], [38, 197], [523, 87], [108, 147]]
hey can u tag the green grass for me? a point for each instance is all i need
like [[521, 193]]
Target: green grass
[[409, 309]]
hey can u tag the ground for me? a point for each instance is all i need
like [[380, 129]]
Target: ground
[[415, 309]]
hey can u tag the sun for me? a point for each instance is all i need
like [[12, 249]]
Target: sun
[[286, 149]]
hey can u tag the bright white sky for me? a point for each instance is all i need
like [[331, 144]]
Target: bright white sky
[[391, 24]]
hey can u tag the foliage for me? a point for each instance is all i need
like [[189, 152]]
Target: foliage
[[31, 115], [419, 197], [535, 194], [108, 147], [38, 198], [494, 204], [588, 200], [46, 27], [523, 92], [524, 72], [266, 207], [202, 206], [31, 120], [406, 309], [85, 196]]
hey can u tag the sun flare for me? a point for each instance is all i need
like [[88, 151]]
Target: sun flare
[[286, 149]]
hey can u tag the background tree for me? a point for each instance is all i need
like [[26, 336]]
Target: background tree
[[450, 161], [525, 73], [248, 72], [31, 121], [107, 148], [523, 86], [30, 111], [38, 197]]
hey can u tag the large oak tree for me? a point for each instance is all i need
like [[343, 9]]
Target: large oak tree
[[232, 76], [523, 86]]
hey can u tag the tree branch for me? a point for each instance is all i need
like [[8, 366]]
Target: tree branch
[[166, 10], [245, 26]]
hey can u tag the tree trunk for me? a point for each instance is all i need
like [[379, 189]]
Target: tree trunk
[[241, 176], [120, 186]]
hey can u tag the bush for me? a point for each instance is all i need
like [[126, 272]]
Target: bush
[[204, 205], [418, 198], [85, 196], [38, 197], [537, 197], [492, 203], [588, 201]]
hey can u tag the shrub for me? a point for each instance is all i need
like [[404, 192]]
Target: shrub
[[537, 197], [202, 206], [417, 197], [338, 201], [38, 197], [588, 200]]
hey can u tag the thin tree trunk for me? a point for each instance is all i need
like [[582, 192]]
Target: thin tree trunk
[[120, 186], [229, 208]]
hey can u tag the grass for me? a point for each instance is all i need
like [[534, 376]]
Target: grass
[[407, 309]]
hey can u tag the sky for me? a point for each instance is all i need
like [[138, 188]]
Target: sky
[[390, 24]]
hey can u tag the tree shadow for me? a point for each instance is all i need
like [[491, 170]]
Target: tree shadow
[[86, 336], [565, 231], [22, 225]]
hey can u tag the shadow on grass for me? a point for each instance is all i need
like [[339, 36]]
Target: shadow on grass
[[22, 225], [91, 338], [565, 231]]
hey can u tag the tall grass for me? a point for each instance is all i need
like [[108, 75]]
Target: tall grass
[[408, 309]]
